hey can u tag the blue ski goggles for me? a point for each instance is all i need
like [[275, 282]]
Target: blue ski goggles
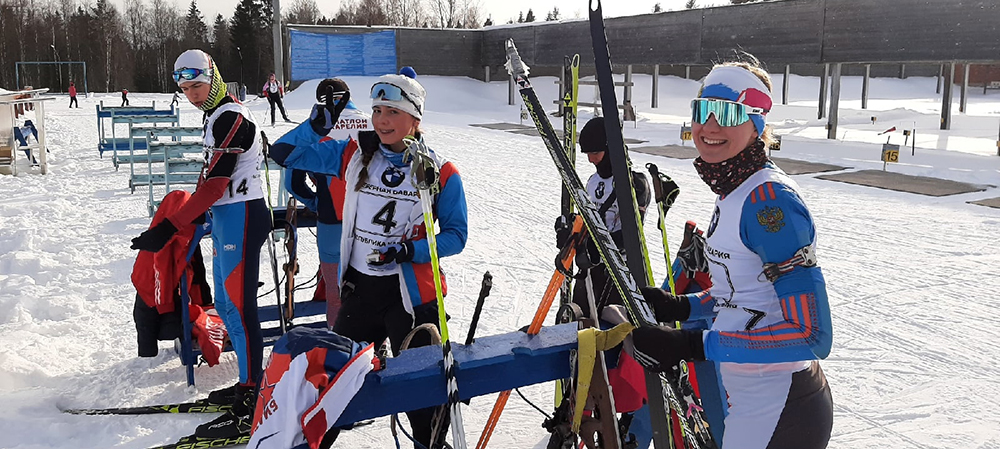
[[727, 113], [391, 92], [188, 74]]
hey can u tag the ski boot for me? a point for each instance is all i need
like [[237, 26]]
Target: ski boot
[[236, 422]]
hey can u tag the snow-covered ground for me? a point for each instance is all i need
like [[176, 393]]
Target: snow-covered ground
[[912, 279]]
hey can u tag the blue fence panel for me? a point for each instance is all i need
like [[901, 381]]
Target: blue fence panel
[[380, 53], [316, 56]]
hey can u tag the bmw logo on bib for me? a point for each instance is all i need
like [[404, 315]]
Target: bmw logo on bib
[[392, 177], [714, 223]]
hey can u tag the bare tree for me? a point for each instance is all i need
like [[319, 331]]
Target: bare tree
[[371, 12], [408, 13], [303, 11], [471, 14]]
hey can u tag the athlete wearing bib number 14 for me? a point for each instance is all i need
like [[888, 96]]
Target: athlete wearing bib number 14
[[230, 189], [768, 296], [387, 285]]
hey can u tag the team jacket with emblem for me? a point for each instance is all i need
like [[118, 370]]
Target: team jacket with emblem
[[327, 200], [398, 215], [311, 378], [765, 334], [763, 221]]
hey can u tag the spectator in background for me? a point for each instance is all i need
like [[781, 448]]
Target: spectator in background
[[72, 95], [124, 97], [273, 91]]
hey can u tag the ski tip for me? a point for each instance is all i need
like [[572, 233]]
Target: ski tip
[[515, 66]]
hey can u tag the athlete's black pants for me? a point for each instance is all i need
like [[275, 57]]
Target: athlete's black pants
[[275, 99], [372, 310]]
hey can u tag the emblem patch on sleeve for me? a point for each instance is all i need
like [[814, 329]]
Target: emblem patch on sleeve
[[771, 218]]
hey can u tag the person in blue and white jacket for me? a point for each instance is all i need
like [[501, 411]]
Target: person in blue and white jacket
[[386, 280], [326, 198], [768, 296]]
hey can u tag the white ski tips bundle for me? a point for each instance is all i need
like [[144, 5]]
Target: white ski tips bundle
[[515, 66]]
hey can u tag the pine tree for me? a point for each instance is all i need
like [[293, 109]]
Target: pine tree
[[658, 8], [195, 30], [552, 15], [690, 4], [520, 17], [489, 21], [530, 17], [222, 48], [243, 36]]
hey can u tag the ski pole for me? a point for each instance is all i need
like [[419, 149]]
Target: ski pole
[[484, 291], [563, 264], [426, 176], [665, 193]]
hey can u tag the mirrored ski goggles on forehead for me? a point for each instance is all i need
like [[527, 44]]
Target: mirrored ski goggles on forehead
[[190, 74], [727, 113], [391, 92]]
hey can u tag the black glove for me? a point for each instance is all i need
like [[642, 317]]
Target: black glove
[[397, 252], [668, 308], [324, 116], [155, 238], [660, 348], [692, 251], [564, 227]]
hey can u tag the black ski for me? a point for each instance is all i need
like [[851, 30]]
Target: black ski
[[640, 313], [199, 406], [662, 390], [193, 442]]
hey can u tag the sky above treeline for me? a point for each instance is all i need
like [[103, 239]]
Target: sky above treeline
[[500, 10]]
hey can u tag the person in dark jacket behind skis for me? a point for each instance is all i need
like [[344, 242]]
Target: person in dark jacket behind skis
[[273, 91], [768, 296], [124, 97], [231, 189], [387, 283], [593, 281]]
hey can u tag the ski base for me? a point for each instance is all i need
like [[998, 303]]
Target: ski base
[[199, 406]]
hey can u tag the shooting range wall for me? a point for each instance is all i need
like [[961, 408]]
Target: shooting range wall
[[919, 34], [368, 51]]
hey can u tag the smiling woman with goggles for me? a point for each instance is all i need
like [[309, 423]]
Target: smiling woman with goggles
[[727, 113], [391, 92], [188, 73]]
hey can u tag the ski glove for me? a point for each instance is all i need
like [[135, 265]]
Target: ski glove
[[564, 227], [660, 348], [324, 116], [155, 238], [397, 252], [668, 307]]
